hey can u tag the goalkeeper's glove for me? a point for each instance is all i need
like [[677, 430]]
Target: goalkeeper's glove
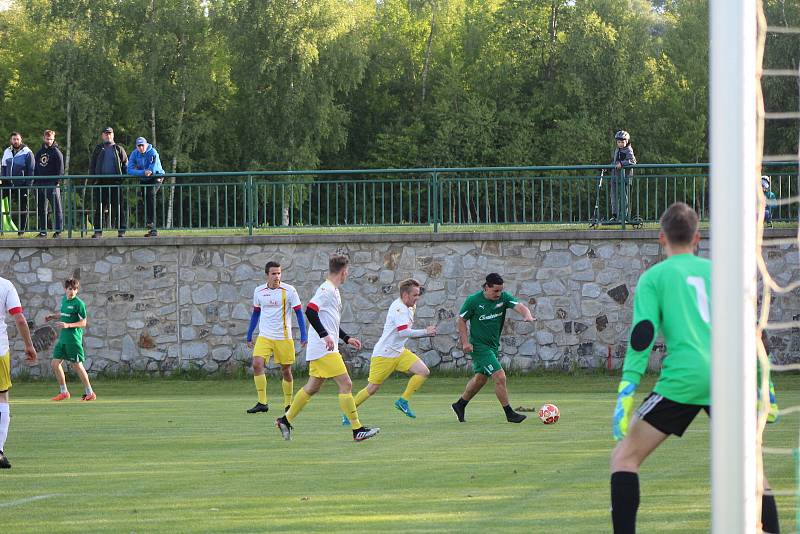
[[773, 415], [773, 405], [622, 412]]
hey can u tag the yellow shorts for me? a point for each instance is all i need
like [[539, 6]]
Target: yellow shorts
[[328, 366], [281, 349], [5, 372], [381, 368]]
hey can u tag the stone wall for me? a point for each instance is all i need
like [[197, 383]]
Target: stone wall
[[158, 305]]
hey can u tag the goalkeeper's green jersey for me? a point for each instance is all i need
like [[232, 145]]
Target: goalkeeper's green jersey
[[674, 296]]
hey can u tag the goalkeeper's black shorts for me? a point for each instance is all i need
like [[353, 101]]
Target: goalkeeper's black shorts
[[668, 416]]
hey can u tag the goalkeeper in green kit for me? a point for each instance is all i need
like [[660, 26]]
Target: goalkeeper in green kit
[[671, 297]]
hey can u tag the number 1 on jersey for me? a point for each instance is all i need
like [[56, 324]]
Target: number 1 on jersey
[[699, 286]]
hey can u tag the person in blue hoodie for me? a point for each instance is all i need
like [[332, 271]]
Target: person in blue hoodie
[[16, 169], [145, 163], [622, 159]]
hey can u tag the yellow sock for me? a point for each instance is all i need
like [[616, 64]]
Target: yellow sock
[[361, 396], [299, 402], [414, 383], [261, 387], [348, 406], [288, 389]]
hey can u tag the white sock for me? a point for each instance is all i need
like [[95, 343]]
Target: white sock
[[88, 391], [63, 388], [5, 419]]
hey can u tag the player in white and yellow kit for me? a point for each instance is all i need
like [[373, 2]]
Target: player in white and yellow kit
[[390, 353], [273, 304], [324, 312], [9, 304]]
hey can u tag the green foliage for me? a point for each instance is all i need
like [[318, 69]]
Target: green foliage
[[239, 84]]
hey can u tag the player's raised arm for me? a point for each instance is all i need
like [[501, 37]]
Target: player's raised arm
[[297, 306], [463, 334], [14, 307], [254, 318], [523, 310], [301, 324], [646, 322], [25, 332], [312, 312]]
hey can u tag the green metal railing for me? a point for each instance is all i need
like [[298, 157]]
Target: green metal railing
[[435, 198]]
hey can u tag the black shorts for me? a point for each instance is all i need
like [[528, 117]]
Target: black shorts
[[668, 416]]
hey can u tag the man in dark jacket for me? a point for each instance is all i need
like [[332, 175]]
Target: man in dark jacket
[[111, 160], [16, 168], [49, 167]]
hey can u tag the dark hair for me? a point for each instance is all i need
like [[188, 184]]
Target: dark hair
[[493, 279], [15, 133], [72, 283], [407, 284], [679, 223], [338, 263], [270, 265]]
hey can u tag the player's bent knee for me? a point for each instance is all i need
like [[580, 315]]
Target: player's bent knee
[[345, 384], [624, 459]]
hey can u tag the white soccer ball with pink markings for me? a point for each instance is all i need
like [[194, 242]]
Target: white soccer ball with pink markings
[[549, 414]]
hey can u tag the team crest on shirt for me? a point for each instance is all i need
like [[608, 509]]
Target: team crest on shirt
[[499, 305]]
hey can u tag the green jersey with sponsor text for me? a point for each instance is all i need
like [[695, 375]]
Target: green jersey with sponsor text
[[72, 311], [675, 296], [486, 318]]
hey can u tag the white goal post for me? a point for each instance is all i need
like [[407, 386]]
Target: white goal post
[[735, 161]]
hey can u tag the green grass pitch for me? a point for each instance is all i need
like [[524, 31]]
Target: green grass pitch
[[178, 456]]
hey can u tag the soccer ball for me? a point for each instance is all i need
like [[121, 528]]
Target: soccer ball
[[549, 414]]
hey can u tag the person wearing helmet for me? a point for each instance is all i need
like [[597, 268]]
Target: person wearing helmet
[[623, 157], [766, 184]]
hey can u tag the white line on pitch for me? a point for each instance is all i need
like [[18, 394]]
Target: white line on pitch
[[19, 502]]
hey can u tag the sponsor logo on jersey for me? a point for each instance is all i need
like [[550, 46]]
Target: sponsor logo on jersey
[[489, 317]]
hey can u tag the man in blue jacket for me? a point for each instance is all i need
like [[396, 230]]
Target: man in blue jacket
[[17, 171], [49, 168], [145, 163]]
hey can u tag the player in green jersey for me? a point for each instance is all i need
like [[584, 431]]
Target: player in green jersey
[[486, 313], [71, 321], [671, 297]]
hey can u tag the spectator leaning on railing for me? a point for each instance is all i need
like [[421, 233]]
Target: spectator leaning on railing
[[623, 157], [145, 163], [17, 172], [49, 168], [110, 158]]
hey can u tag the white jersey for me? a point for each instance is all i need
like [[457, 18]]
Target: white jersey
[[328, 304], [9, 305], [276, 307], [399, 318]]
